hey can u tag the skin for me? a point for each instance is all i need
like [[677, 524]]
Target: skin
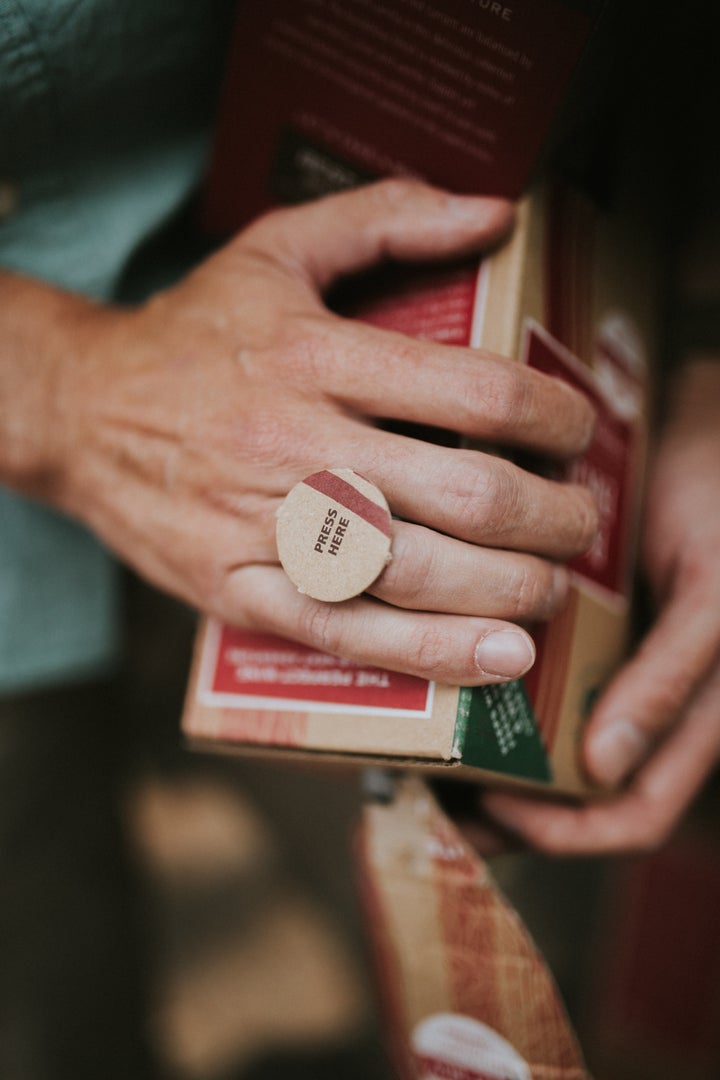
[[175, 429], [655, 735]]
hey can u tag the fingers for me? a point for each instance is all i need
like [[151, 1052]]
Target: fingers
[[446, 648], [472, 496], [379, 373], [470, 391], [433, 572], [401, 219], [442, 559], [654, 688], [638, 819], [479, 498]]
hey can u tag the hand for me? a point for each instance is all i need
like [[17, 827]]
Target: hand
[[656, 730], [185, 423]]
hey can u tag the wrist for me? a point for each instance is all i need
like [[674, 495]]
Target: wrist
[[41, 332]]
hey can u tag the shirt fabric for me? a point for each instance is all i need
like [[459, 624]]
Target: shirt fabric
[[104, 129]]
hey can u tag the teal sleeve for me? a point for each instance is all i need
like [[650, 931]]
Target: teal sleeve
[[104, 131]]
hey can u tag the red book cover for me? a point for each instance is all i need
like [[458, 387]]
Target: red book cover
[[322, 95]]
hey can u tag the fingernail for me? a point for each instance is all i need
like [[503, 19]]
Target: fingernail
[[507, 654], [617, 750]]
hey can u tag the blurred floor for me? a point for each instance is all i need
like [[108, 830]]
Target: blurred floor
[[254, 957], [240, 915], [258, 959]]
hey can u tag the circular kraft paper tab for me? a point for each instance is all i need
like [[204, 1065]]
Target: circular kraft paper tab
[[334, 534]]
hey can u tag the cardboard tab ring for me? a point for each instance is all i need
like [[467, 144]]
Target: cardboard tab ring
[[334, 534]]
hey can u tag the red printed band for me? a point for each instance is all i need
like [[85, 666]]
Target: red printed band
[[338, 489]]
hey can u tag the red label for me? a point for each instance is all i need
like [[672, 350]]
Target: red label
[[239, 664], [432, 304], [608, 467], [322, 95]]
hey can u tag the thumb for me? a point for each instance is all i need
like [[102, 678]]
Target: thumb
[[654, 689], [400, 219]]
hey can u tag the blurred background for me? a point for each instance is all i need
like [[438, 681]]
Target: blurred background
[[244, 947]]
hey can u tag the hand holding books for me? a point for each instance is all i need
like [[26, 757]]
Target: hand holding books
[[198, 412]]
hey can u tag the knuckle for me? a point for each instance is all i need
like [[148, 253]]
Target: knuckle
[[406, 577], [666, 689], [319, 625], [534, 591], [494, 500], [505, 399], [665, 699], [429, 653], [469, 488]]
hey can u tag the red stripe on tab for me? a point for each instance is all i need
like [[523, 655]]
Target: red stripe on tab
[[338, 489]]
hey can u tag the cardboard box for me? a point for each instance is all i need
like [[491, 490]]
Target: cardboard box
[[466, 994], [567, 295]]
